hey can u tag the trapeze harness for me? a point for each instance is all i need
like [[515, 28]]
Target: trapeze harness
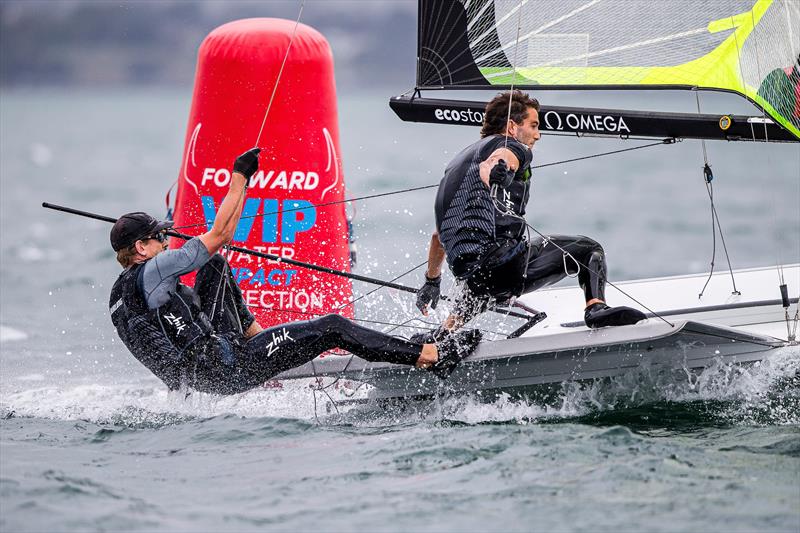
[[476, 233], [168, 339]]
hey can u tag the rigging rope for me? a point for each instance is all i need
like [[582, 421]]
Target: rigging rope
[[395, 325], [423, 187], [715, 223], [665, 141], [669, 140], [280, 71], [366, 321], [376, 289], [502, 209], [514, 71], [566, 253]]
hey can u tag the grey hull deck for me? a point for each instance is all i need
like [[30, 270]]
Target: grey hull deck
[[515, 364]]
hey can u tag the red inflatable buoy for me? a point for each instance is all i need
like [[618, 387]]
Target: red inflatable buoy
[[299, 166]]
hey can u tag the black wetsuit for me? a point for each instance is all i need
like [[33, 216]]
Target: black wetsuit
[[223, 361], [484, 236]]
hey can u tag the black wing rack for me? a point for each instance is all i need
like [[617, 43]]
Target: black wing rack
[[602, 122]]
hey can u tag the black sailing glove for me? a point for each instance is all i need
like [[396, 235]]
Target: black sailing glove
[[429, 294], [501, 175], [247, 163]]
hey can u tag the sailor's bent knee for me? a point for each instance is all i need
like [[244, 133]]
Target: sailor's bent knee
[[591, 244], [596, 261]]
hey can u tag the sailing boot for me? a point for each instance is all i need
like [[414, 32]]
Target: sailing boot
[[453, 349], [600, 315]]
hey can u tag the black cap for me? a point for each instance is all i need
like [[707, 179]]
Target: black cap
[[131, 227]]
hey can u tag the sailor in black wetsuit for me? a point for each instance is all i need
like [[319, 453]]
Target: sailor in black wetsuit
[[481, 229], [206, 338]]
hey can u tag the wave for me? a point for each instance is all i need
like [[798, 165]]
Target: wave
[[8, 334], [151, 407], [766, 393]]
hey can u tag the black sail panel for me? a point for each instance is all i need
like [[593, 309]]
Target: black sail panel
[[444, 57]]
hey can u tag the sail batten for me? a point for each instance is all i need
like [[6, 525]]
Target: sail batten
[[751, 47]]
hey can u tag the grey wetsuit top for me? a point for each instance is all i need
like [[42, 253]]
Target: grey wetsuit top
[[160, 274]]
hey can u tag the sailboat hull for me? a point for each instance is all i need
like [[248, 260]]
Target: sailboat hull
[[518, 364], [694, 334]]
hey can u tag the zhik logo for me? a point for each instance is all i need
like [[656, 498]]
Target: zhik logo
[[176, 321], [277, 339]]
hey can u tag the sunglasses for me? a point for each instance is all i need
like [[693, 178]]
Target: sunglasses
[[160, 237]]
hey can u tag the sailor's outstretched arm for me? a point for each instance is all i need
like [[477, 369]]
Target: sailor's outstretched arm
[[160, 275], [230, 210]]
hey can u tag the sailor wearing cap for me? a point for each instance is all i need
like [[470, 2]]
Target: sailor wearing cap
[[205, 337]]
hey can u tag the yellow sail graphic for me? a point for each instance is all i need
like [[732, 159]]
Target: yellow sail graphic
[[734, 65]]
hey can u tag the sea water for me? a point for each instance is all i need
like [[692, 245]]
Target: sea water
[[89, 440]]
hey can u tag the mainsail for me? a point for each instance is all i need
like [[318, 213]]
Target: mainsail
[[750, 47]]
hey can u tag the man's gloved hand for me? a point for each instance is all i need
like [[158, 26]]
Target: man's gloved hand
[[247, 163], [501, 175], [429, 294]]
